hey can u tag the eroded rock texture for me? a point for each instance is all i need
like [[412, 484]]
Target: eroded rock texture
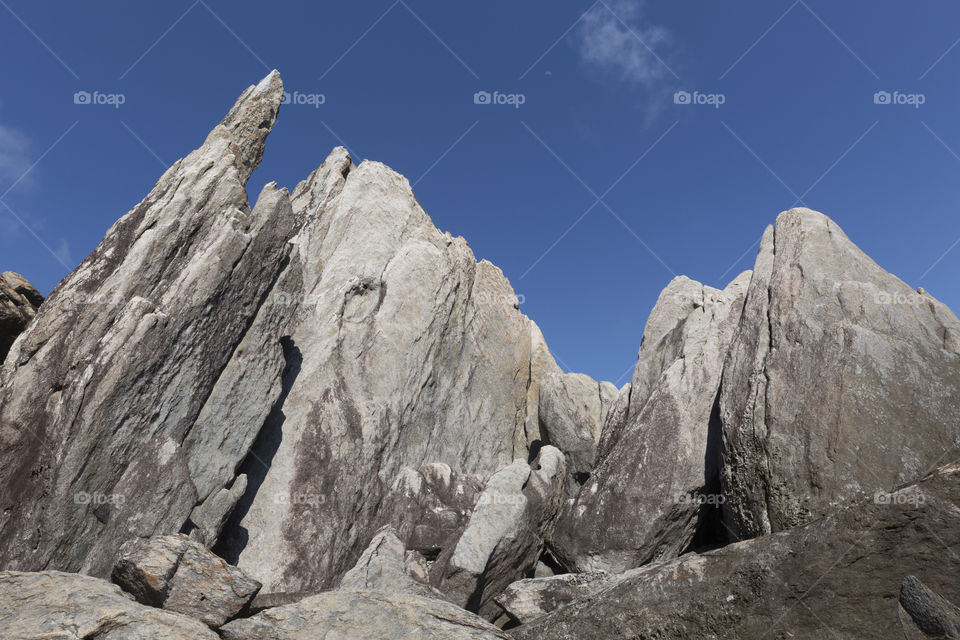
[[841, 381], [181, 575], [839, 576], [658, 471], [51, 604], [364, 615], [505, 534], [19, 302]]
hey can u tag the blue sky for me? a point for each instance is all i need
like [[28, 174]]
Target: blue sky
[[590, 195]]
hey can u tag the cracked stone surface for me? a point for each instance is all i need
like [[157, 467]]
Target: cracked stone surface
[[841, 381], [657, 475], [839, 576], [181, 575], [19, 302], [52, 604]]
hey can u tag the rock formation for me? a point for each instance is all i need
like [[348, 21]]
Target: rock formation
[[51, 604], [178, 574], [19, 302], [839, 576], [658, 472], [841, 381], [324, 394]]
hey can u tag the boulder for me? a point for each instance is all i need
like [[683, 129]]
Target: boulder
[[19, 302], [657, 479], [387, 566], [526, 600], [181, 575], [51, 604], [837, 577], [841, 381], [363, 615], [504, 537]]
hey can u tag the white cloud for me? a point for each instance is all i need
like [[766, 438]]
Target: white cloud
[[614, 38], [63, 252], [15, 157]]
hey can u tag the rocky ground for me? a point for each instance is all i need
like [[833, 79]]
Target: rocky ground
[[320, 417]]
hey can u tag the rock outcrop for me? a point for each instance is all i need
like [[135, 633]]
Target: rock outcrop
[[841, 381], [364, 615], [257, 378], [505, 534], [181, 575], [51, 604], [19, 302], [658, 473], [388, 566], [839, 576], [326, 395], [526, 600], [430, 506], [120, 360]]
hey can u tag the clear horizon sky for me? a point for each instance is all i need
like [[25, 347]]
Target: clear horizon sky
[[592, 150]]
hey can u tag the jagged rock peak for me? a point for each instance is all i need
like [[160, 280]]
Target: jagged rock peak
[[250, 121]]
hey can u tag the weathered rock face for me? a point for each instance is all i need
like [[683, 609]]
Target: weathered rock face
[[504, 537], [178, 574], [526, 600], [19, 302], [841, 381], [364, 615], [658, 473], [837, 577], [931, 615], [402, 350], [121, 357], [50, 604], [258, 378], [429, 507], [388, 566]]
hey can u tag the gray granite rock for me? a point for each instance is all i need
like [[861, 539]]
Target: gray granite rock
[[364, 615], [505, 534], [19, 302], [429, 507], [53, 605], [657, 477], [837, 577], [526, 600], [181, 575], [841, 381], [126, 349]]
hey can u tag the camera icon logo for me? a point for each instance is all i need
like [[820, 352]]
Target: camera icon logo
[[81, 97], [482, 97], [682, 97], [881, 97]]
